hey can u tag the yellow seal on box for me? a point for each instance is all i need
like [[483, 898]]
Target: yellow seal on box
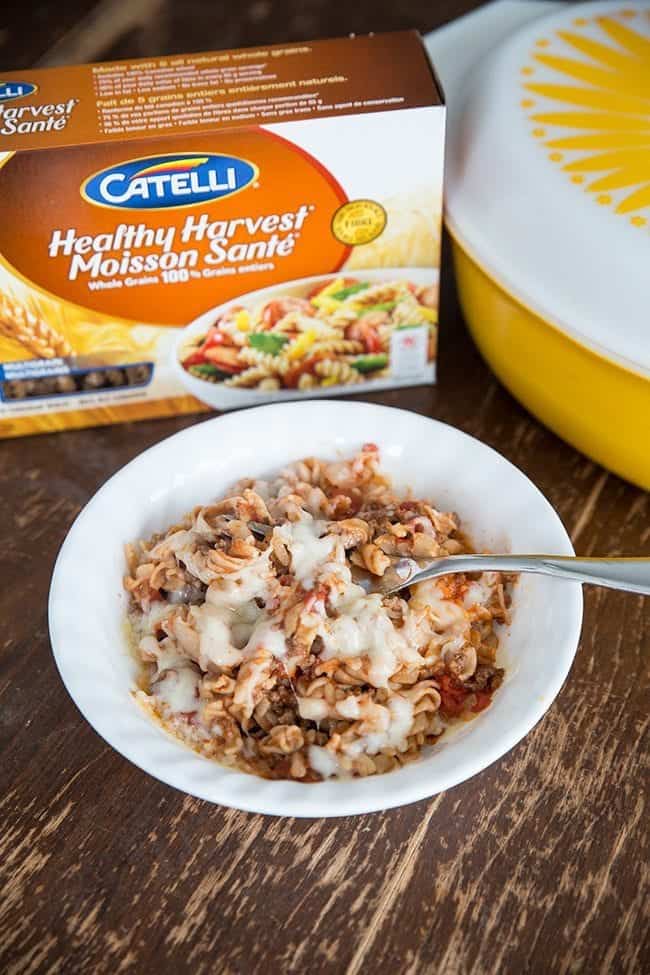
[[358, 222]]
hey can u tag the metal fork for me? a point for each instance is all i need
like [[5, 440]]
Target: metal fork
[[631, 575]]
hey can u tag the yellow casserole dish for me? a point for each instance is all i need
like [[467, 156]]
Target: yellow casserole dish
[[548, 204]]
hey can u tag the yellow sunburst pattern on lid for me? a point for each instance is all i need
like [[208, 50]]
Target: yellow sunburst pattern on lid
[[592, 96]]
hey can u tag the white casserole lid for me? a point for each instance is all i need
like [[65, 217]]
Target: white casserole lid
[[548, 172]]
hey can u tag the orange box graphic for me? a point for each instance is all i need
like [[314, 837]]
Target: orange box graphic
[[217, 229]]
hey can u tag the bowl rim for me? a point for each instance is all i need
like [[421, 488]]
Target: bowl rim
[[303, 800]]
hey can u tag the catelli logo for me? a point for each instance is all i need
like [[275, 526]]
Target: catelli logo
[[16, 89], [161, 182]]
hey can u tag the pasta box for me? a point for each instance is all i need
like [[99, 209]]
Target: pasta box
[[218, 229]]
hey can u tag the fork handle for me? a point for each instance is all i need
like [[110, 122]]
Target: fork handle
[[632, 575]]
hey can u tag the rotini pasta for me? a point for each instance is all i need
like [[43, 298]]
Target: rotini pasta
[[249, 377], [262, 651], [340, 333], [336, 371], [253, 357]]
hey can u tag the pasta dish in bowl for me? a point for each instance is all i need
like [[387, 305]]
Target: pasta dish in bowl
[[267, 655], [258, 650]]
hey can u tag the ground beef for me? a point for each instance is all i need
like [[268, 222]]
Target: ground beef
[[485, 679]]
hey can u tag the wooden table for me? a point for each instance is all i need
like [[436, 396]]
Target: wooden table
[[535, 865]]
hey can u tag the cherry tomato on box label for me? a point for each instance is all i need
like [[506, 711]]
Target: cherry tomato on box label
[[366, 334], [195, 359], [225, 358], [214, 337], [280, 307], [371, 340], [292, 375]]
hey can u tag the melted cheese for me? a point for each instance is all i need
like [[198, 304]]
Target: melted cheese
[[236, 589], [308, 550], [364, 628], [227, 619], [178, 690], [313, 708], [317, 708], [446, 613], [165, 654], [146, 623], [252, 675], [173, 544], [393, 723], [324, 762], [267, 635], [480, 591], [214, 631], [349, 708]]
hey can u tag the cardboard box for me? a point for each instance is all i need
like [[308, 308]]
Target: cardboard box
[[220, 228]]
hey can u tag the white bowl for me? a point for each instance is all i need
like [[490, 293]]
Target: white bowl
[[499, 506], [221, 397]]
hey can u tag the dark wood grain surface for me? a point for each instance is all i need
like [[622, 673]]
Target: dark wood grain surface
[[539, 864]]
